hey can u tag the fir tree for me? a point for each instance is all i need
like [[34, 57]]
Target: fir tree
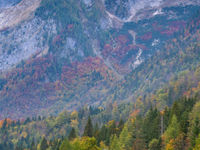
[[72, 134], [43, 145], [114, 144], [65, 145], [173, 130], [88, 128], [4, 124]]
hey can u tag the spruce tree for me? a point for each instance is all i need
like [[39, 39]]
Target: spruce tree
[[173, 130], [43, 145], [114, 144], [65, 145], [4, 124], [88, 128], [33, 146], [72, 134]]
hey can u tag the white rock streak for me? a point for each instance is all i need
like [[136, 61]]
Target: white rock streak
[[138, 60], [13, 15]]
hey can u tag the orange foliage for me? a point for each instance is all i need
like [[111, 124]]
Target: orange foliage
[[9, 121]]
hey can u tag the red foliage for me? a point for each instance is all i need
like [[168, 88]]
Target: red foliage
[[147, 36], [9, 121], [70, 27], [57, 39], [157, 27], [122, 39]]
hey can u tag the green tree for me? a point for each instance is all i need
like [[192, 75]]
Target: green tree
[[88, 131], [154, 144], [173, 130], [125, 138], [114, 143], [72, 134], [197, 143], [4, 124], [43, 145], [33, 146], [65, 145], [84, 143], [194, 124], [151, 125]]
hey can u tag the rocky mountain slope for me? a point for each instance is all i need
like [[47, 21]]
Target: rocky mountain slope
[[57, 55]]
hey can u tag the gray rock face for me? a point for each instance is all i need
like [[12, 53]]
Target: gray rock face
[[20, 43], [128, 10], [22, 34], [8, 3]]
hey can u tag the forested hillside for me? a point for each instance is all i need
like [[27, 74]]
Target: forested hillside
[[173, 128], [167, 119], [59, 55], [100, 75]]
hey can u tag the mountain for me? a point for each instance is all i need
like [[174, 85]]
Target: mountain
[[60, 55], [99, 75], [8, 3]]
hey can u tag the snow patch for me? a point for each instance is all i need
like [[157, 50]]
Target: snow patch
[[155, 42], [87, 2], [158, 12]]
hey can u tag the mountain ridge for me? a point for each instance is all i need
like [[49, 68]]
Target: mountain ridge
[[75, 58]]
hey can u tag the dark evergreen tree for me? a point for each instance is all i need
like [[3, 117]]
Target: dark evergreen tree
[[33, 146], [151, 125], [4, 124], [120, 126], [39, 118], [43, 145], [96, 130], [88, 128], [72, 134]]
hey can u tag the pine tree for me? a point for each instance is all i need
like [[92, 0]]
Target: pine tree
[[197, 143], [33, 146], [173, 130], [114, 144], [72, 134], [43, 145], [4, 124], [96, 130], [125, 138], [88, 128], [194, 131], [151, 125], [154, 145], [120, 126], [65, 145]]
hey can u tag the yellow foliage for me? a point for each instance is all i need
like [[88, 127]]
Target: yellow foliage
[[74, 123], [103, 146], [24, 134], [85, 143], [100, 108], [74, 114], [170, 146], [162, 112], [110, 123]]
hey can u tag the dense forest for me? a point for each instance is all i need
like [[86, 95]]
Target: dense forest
[[96, 101], [142, 125]]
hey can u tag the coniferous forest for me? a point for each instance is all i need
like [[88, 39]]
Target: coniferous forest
[[113, 128]]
